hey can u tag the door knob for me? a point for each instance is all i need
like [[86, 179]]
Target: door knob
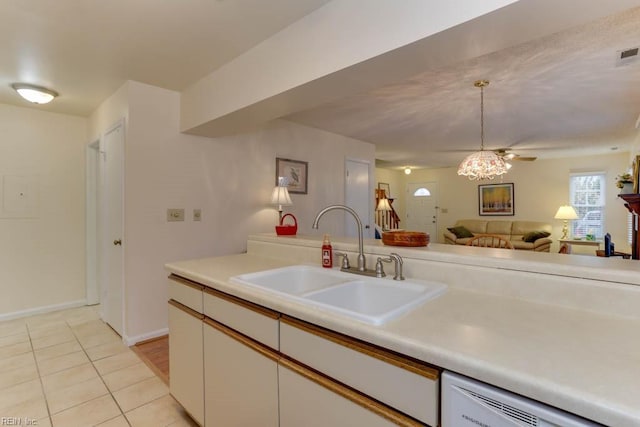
[[117, 242]]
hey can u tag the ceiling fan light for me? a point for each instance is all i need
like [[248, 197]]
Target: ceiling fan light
[[33, 93], [482, 165]]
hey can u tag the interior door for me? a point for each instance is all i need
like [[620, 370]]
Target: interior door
[[111, 226], [422, 211], [358, 197]]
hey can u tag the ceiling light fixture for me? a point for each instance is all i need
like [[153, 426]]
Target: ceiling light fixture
[[407, 170], [33, 93], [482, 164]]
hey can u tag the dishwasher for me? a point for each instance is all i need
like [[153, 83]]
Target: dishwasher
[[470, 403]]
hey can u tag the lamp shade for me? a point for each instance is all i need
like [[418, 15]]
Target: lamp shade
[[383, 205], [566, 212], [280, 197], [482, 165]]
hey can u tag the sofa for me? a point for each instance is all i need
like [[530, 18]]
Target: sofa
[[524, 235]]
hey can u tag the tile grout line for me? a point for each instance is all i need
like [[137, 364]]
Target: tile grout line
[[35, 360], [101, 379]]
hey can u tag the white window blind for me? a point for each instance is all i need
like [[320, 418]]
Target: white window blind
[[588, 199]]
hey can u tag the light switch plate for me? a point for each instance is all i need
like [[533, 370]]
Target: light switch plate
[[197, 215], [175, 215]]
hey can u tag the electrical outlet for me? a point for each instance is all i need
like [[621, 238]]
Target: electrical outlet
[[197, 215], [175, 215]]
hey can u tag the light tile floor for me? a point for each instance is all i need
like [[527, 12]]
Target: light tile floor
[[68, 368]]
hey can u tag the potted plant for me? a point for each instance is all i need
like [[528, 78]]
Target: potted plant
[[625, 183]]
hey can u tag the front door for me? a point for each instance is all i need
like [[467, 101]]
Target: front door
[[422, 211]]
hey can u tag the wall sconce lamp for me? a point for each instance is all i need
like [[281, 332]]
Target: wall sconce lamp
[[566, 213]]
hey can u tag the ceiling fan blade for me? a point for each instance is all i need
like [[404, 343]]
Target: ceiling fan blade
[[524, 159]]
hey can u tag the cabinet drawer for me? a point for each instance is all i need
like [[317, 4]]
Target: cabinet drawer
[[186, 292], [400, 382], [249, 319]]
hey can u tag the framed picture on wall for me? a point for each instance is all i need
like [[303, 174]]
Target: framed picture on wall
[[496, 199], [295, 173]]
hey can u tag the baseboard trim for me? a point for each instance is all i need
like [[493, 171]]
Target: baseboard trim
[[129, 341], [42, 310]]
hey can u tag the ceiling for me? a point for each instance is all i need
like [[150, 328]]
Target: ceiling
[[551, 97], [86, 50]]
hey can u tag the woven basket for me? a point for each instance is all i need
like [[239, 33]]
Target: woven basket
[[405, 238]]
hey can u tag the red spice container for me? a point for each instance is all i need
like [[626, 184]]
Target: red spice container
[[327, 252]]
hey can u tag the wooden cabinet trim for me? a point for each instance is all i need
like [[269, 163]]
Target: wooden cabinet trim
[[242, 339], [354, 396], [186, 282], [401, 361], [186, 309], [246, 304]]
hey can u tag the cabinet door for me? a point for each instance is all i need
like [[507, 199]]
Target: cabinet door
[[241, 379], [405, 384], [312, 400], [186, 359]]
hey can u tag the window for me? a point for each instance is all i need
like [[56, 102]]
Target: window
[[587, 198]]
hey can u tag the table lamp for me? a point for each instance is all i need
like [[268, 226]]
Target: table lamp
[[280, 197], [565, 213], [384, 207]]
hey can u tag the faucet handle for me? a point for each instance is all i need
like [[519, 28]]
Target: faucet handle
[[379, 268], [345, 260]]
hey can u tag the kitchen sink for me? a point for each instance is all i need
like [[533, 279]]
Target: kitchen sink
[[376, 301], [371, 300], [294, 280]]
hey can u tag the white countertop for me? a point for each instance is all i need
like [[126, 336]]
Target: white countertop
[[581, 361]]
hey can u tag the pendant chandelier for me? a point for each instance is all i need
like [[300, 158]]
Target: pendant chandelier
[[482, 164]]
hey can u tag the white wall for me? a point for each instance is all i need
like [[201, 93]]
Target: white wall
[[540, 188], [42, 258], [230, 179]]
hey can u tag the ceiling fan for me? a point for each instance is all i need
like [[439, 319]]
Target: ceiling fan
[[506, 155]]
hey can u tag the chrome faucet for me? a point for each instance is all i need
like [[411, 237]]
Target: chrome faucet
[[361, 269], [397, 260]]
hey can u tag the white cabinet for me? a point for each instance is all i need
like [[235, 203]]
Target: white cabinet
[[405, 384], [186, 359], [241, 379], [235, 363], [312, 400]]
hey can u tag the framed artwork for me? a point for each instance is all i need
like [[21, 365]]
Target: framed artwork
[[295, 173], [384, 190], [496, 199]]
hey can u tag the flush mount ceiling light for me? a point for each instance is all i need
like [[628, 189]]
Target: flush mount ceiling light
[[407, 170], [33, 93], [482, 164]]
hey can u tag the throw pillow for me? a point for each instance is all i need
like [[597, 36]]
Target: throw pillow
[[535, 235], [460, 231]]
